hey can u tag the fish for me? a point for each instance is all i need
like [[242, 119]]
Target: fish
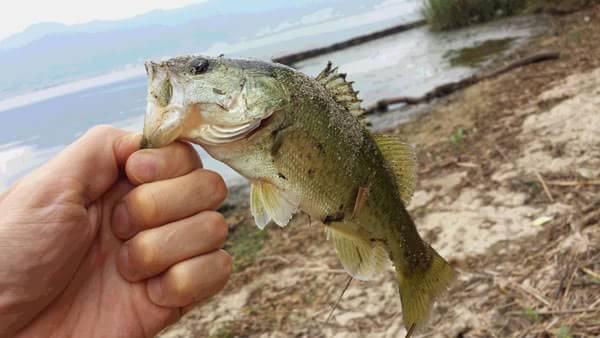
[[301, 144]]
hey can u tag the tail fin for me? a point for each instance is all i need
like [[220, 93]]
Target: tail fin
[[419, 289]]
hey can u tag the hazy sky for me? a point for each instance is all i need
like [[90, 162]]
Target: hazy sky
[[18, 15]]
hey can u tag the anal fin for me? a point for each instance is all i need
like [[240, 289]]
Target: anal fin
[[361, 258]]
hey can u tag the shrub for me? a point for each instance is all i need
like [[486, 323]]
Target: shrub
[[450, 14]]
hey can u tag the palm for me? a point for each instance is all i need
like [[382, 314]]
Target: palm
[[81, 308], [92, 253]]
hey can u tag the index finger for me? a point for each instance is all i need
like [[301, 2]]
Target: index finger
[[150, 165]]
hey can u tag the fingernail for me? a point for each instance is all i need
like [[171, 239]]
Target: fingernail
[[155, 290], [128, 144], [120, 220], [134, 138]]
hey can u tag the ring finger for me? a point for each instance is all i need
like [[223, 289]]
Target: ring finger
[[191, 281], [153, 251]]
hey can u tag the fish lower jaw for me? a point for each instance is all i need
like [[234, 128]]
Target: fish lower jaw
[[162, 125], [218, 135]]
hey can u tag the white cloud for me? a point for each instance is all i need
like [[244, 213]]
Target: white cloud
[[22, 13], [17, 159]]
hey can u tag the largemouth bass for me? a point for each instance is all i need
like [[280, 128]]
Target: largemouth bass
[[299, 142]]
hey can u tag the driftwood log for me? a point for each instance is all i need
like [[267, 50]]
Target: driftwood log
[[449, 88], [297, 57]]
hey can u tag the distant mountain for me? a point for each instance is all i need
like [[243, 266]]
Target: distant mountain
[[49, 54], [171, 17], [32, 33]]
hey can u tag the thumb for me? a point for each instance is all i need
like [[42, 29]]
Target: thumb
[[91, 165]]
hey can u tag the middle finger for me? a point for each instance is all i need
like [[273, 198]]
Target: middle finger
[[157, 203]]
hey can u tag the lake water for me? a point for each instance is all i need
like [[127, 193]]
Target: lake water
[[408, 63]]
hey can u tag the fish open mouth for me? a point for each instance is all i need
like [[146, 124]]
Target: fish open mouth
[[176, 122], [222, 133], [215, 134]]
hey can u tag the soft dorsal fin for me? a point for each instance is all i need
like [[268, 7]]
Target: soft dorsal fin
[[267, 202], [361, 259], [402, 160], [342, 90]]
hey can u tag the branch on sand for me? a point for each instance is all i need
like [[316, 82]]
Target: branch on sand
[[449, 88]]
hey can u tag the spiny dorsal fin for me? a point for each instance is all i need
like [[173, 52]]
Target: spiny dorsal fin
[[342, 90], [402, 160], [361, 259], [267, 202]]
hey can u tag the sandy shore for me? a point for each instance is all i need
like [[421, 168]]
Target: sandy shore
[[512, 201]]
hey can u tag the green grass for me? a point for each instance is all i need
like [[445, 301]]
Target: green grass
[[224, 331], [476, 55], [244, 244], [532, 314], [457, 137], [451, 14], [564, 332]]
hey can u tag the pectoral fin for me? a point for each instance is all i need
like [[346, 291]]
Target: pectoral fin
[[261, 218], [361, 258], [267, 202]]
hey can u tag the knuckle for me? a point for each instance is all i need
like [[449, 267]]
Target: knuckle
[[186, 151], [216, 225], [143, 206], [225, 263], [216, 186], [181, 281], [186, 157], [100, 130], [142, 250]]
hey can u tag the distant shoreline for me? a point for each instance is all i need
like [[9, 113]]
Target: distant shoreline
[[68, 88]]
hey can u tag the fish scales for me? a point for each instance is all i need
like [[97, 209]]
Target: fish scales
[[298, 141]]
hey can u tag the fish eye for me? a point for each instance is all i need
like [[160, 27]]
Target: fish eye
[[198, 66]]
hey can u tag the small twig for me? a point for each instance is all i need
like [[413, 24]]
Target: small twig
[[468, 165], [541, 179], [591, 273], [571, 269], [501, 152], [339, 299], [410, 331], [323, 270], [586, 220], [574, 183], [533, 292], [556, 312], [273, 258]]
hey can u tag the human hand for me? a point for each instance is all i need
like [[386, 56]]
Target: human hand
[[108, 241]]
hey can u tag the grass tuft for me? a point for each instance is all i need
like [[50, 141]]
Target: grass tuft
[[450, 14], [244, 244]]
